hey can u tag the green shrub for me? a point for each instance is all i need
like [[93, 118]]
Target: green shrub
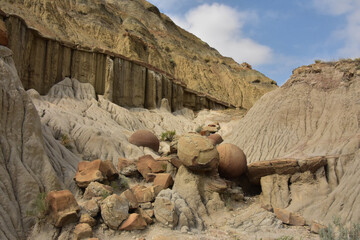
[[285, 238], [199, 128], [65, 141], [39, 206], [124, 182], [342, 233], [168, 136], [172, 62], [317, 61]]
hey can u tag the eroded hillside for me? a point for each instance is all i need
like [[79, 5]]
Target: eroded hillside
[[137, 30]]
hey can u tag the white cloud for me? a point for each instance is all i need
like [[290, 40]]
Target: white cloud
[[351, 32], [221, 27]]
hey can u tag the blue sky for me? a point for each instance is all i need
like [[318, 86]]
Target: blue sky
[[273, 36]]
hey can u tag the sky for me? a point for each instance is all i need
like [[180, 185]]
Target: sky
[[274, 36]]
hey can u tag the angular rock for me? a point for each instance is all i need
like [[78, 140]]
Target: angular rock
[[88, 172], [3, 34], [145, 138], [130, 196], [134, 222], [63, 207], [82, 231], [91, 207], [127, 167], [114, 210], [108, 169], [210, 129], [146, 214], [186, 217], [165, 212], [197, 153], [95, 189], [289, 218], [143, 194], [147, 165], [215, 139], [164, 180], [317, 227], [232, 163], [86, 218]]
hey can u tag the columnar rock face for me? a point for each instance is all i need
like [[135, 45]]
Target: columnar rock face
[[42, 62], [133, 29], [316, 113]]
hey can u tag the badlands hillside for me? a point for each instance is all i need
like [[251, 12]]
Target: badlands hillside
[[99, 140], [137, 30]]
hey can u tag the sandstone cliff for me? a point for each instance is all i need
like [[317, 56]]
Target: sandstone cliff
[[138, 30], [316, 113]]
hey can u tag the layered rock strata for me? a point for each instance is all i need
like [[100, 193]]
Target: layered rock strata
[[42, 62]]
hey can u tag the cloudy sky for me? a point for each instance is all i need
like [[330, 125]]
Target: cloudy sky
[[274, 36]]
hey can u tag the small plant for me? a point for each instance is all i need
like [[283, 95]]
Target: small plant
[[342, 232], [65, 141], [124, 182], [168, 136], [167, 49], [199, 128], [172, 62], [285, 238], [317, 61], [105, 194], [40, 207]]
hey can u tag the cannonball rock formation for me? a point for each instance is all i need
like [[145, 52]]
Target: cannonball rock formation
[[232, 162], [145, 138], [215, 138], [197, 153]]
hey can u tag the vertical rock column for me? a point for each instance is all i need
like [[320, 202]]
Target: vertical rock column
[[177, 97], [150, 96], [129, 83], [167, 89]]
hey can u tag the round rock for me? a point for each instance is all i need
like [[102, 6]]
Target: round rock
[[232, 162], [145, 138], [197, 153], [215, 138]]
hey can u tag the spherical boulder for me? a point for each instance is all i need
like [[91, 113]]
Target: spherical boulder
[[232, 162], [197, 153], [215, 138], [145, 138]]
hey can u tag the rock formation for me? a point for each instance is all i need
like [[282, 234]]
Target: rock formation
[[316, 113], [96, 33]]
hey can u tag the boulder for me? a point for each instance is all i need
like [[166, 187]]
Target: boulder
[[91, 207], [108, 169], [197, 153], [82, 231], [147, 165], [88, 172], [165, 212], [289, 218], [232, 163], [134, 222], [145, 138], [96, 189], [127, 167], [172, 210], [215, 138], [3, 34], [86, 218], [146, 214], [130, 196], [114, 210], [317, 227], [63, 207], [144, 194], [164, 180]]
